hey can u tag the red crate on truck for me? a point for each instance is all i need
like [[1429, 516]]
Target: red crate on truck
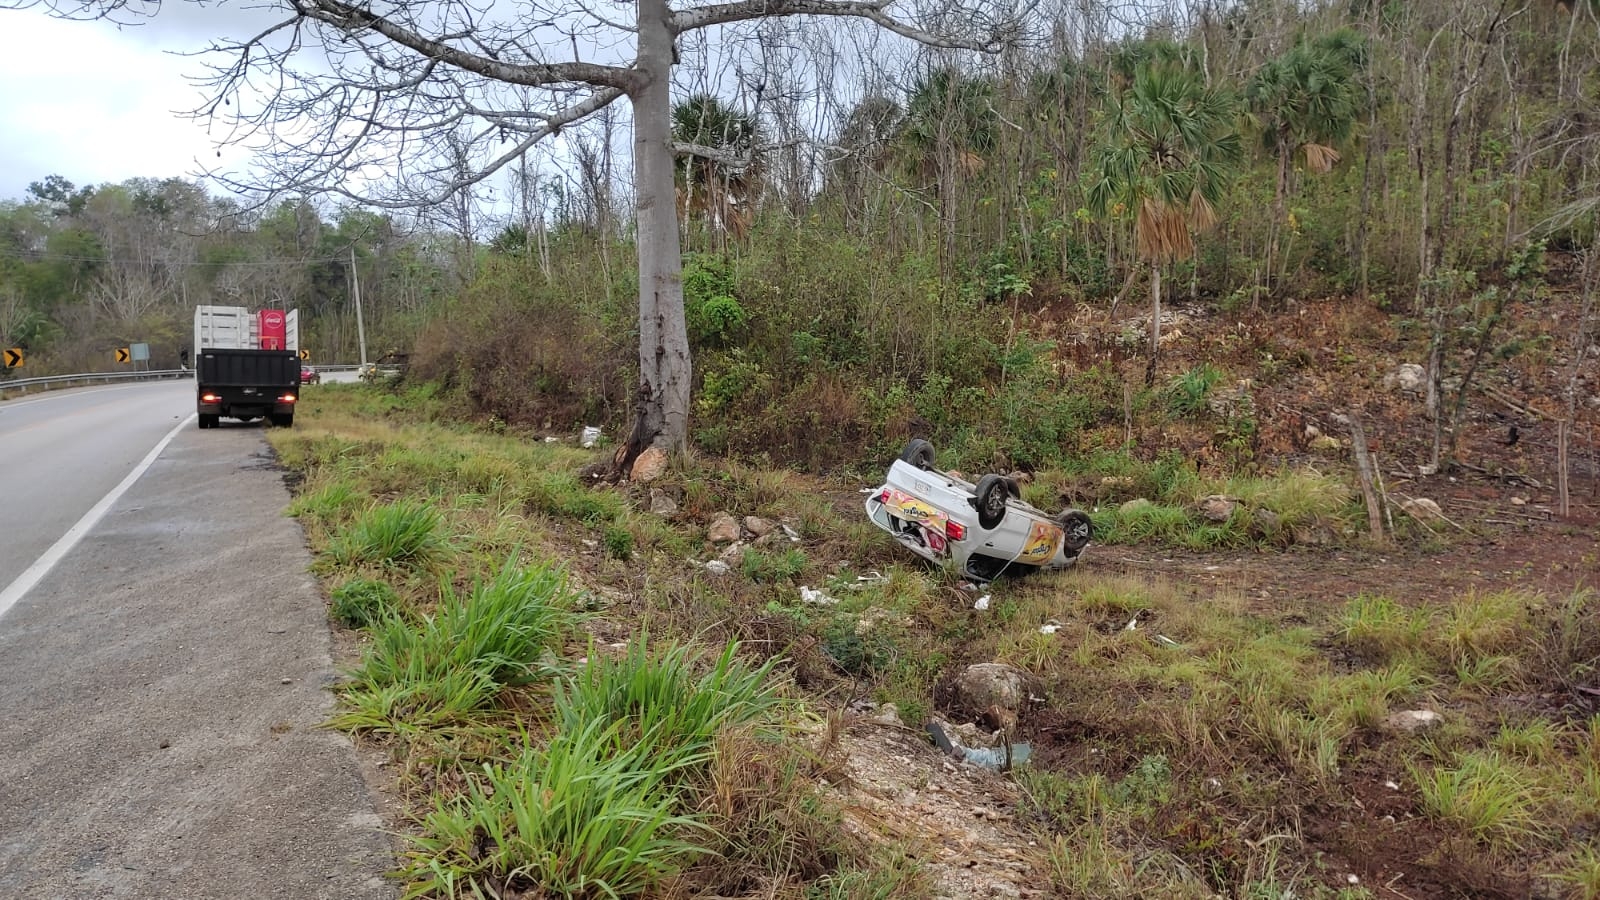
[[273, 329]]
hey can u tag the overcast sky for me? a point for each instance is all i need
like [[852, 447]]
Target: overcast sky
[[98, 104]]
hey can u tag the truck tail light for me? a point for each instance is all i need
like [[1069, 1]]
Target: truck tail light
[[210, 398], [286, 398], [955, 531]]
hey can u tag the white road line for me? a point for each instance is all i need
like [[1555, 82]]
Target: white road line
[[13, 404], [31, 576]]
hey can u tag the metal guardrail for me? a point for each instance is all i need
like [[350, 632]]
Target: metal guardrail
[[47, 382]]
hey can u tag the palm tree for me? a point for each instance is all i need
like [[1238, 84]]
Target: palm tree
[[718, 171], [949, 126], [1306, 102], [1166, 154], [864, 146]]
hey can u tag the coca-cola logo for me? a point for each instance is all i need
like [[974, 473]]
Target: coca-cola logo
[[273, 318]]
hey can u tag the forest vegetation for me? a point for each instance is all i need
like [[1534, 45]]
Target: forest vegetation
[[1141, 266]]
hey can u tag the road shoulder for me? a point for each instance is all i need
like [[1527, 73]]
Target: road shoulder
[[164, 689]]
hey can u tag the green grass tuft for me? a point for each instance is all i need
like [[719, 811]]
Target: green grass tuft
[[450, 665], [405, 534], [363, 602]]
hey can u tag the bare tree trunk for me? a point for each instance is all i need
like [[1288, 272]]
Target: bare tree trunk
[[1276, 228], [1155, 322], [1367, 473], [664, 369]]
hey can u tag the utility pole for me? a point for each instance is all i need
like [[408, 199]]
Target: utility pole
[[361, 329]]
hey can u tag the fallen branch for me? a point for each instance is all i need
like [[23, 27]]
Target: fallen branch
[[1513, 403]]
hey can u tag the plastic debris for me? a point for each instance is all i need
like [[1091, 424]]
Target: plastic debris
[[718, 567], [1133, 624], [1165, 641], [1049, 628], [995, 758], [549, 439], [870, 579], [808, 595], [982, 603], [794, 536], [591, 436]]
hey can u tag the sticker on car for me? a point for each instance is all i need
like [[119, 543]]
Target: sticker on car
[[1043, 539]]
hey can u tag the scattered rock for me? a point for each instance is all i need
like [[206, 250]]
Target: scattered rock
[[662, 504], [1422, 509], [1313, 534], [718, 567], [650, 465], [1326, 443], [1312, 432], [1519, 501], [724, 529], [1264, 521], [1217, 508], [986, 685], [816, 597], [758, 526], [887, 714], [734, 554], [1138, 504], [1407, 377], [1413, 720]]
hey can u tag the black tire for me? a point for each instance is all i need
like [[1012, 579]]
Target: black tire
[[918, 453], [284, 421], [208, 420], [990, 500], [1079, 528]]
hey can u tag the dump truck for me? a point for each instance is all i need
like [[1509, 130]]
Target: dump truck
[[246, 364]]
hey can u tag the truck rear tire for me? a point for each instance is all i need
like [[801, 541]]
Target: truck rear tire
[[284, 421], [208, 420]]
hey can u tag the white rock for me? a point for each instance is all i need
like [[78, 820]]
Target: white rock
[[816, 597], [1422, 509], [718, 567], [1413, 720]]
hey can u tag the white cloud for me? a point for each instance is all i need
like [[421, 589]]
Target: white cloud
[[95, 104]]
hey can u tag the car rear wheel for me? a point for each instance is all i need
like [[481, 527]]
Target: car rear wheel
[[990, 500], [1079, 529], [918, 453]]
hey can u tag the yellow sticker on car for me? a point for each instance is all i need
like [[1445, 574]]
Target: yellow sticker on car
[[1043, 539], [913, 510]]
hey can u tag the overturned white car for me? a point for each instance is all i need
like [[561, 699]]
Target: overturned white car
[[985, 529]]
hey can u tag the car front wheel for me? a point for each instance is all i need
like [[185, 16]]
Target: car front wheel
[[1078, 527], [918, 453]]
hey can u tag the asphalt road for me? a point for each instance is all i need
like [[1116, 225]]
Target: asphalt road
[[162, 686], [61, 452]]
